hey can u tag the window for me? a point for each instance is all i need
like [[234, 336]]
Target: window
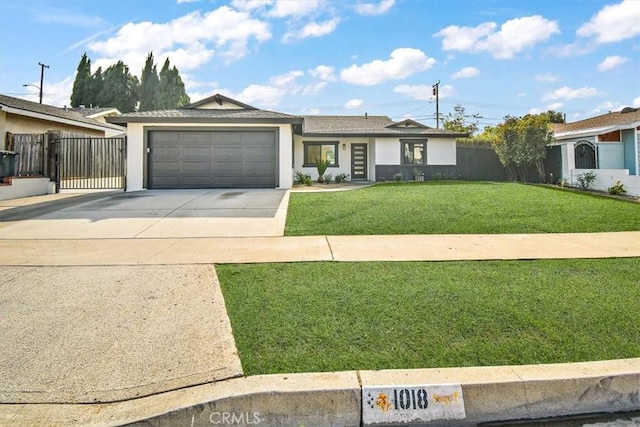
[[414, 152], [320, 150]]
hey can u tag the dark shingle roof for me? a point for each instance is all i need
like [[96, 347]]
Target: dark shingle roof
[[627, 116], [204, 116], [54, 112], [380, 126]]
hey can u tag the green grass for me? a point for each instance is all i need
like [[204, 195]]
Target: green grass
[[457, 208], [307, 317]]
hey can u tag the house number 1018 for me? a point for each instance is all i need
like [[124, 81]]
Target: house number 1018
[[410, 399]]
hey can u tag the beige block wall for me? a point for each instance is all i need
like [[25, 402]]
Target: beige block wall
[[20, 124]]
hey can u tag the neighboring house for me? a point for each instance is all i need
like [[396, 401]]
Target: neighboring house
[[219, 142], [22, 116], [96, 113], [608, 145]]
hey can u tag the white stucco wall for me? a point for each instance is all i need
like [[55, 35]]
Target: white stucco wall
[[606, 178], [387, 151], [440, 151], [136, 149]]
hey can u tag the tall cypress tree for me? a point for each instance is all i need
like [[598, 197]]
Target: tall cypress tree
[[81, 94], [95, 89], [149, 86], [172, 92], [120, 88]]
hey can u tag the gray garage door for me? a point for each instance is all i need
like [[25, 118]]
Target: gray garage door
[[212, 159]]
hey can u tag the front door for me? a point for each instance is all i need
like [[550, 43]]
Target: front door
[[359, 161]]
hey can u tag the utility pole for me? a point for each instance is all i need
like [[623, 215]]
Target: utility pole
[[42, 67], [436, 93]]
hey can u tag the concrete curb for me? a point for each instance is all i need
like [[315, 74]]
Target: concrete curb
[[334, 399]]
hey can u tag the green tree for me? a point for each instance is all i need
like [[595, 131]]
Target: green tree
[[120, 89], [457, 121], [554, 116], [172, 92], [81, 93], [521, 143], [95, 88], [149, 86]]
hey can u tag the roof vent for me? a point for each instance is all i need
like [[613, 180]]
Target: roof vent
[[629, 110], [366, 115]]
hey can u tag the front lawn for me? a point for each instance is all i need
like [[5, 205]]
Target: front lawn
[[452, 207], [307, 317]]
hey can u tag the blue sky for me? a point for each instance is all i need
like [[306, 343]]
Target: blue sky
[[494, 57]]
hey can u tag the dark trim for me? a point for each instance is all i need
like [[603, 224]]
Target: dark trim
[[382, 135], [305, 144], [414, 141]]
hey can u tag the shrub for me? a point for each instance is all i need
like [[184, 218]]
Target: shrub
[[342, 177], [617, 188], [322, 165], [585, 180], [398, 177], [328, 177], [302, 178]]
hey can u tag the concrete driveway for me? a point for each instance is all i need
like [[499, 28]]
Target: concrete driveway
[[150, 214]]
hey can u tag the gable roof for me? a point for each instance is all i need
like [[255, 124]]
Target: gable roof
[[371, 126], [199, 112], [48, 112], [625, 119], [218, 99]]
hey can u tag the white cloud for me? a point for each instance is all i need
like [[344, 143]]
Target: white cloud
[[54, 93], [513, 37], [465, 73], [613, 23], [636, 102], [566, 93], [402, 63], [374, 9], [270, 95], [423, 92], [546, 78], [313, 29], [251, 4], [521, 94], [314, 88], [186, 1], [323, 72], [352, 104], [535, 111], [611, 62], [555, 105], [285, 8], [193, 39]]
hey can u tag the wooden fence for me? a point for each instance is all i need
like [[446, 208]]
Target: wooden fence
[[31, 153]]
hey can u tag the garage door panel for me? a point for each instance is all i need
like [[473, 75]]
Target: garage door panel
[[197, 166], [201, 138], [212, 159], [197, 152]]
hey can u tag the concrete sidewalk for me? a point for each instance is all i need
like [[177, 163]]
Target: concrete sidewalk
[[319, 248]]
